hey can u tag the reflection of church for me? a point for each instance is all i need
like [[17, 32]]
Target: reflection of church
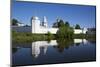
[[84, 41], [40, 47]]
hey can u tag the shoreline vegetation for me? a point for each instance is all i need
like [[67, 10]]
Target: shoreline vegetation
[[29, 37]]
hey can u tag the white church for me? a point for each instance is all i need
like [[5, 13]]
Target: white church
[[41, 27]]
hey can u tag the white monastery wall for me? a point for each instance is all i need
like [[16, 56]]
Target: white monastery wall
[[78, 31], [37, 28], [53, 30]]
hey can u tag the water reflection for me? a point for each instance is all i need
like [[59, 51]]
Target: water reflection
[[54, 51], [77, 42], [37, 46], [64, 43], [41, 47]]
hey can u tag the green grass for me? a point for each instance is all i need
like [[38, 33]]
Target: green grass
[[29, 37]]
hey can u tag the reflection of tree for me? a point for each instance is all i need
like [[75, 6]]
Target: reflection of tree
[[14, 50], [77, 44], [64, 43], [48, 40]]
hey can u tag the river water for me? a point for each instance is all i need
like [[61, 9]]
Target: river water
[[54, 51]]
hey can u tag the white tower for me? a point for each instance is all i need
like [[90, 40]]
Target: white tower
[[45, 23], [35, 25]]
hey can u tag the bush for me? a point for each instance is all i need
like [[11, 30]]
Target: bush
[[65, 32]]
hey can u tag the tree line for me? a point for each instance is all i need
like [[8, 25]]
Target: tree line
[[14, 22]]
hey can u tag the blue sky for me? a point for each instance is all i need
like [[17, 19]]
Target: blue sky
[[74, 14]]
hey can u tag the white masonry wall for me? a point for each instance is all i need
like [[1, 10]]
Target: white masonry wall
[[80, 31], [53, 30], [38, 29]]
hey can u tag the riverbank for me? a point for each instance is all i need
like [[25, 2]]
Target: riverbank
[[29, 37]]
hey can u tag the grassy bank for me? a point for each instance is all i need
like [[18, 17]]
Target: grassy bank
[[29, 37], [84, 36]]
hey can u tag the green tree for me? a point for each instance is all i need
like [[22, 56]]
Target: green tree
[[15, 22], [55, 25], [65, 32], [77, 26], [67, 24], [60, 23]]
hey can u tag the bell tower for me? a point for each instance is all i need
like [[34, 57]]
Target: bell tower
[[45, 23]]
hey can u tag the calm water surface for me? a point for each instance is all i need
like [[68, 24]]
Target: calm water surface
[[54, 51]]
